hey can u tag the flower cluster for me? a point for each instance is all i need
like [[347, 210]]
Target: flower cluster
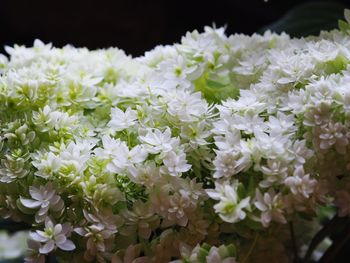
[[191, 152]]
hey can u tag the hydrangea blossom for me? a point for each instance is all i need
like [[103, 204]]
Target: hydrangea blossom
[[201, 151], [53, 236], [44, 198]]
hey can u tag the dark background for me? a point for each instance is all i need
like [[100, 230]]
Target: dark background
[[133, 25]]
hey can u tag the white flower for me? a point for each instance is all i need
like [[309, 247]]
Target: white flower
[[230, 208], [121, 120], [119, 156], [97, 231], [247, 102], [196, 133], [230, 140], [271, 206], [175, 163], [215, 255], [273, 147], [323, 50], [302, 153], [47, 164], [134, 156], [33, 255], [111, 147], [53, 236], [282, 124], [45, 199], [228, 163], [187, 107], [248, 123], [146, 174], [332, 134], [275, 172], [47, 120], [318, 114], [74, 158], [180, 207], [301, 183], [142, 217], [178, 68], [156, 141]]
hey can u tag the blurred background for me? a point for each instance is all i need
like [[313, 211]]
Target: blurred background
[[138, 25]]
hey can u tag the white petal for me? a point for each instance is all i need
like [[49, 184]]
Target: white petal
[[80, 230], [36, 237], [40, 218], [35, 193], [60, 239], [47, 248], [67, 246], [213, 194], [57, 229], [260, 206], [29, 203]]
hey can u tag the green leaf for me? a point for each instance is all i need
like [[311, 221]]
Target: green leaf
[[309, 19], [215, 91], [343, 26], [231, 249], [202, 254], [253, 224], [251, 185], [215, 85], [241, 192]]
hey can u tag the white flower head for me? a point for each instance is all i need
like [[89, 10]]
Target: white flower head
[[53, 236], [271, 206], [175, 163], [156, 141], [230, 206], [121, 120], [45, 199]]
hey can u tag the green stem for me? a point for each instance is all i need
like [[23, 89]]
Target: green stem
[[251, 248]]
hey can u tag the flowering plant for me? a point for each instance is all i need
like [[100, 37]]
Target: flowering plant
[[217, 149]]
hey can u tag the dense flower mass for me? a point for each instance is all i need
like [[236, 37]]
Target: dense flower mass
[[202, 151]]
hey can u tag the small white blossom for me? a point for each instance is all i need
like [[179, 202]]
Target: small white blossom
[[53, 236], [45, 199], [118, 154], [271, 206], [121, 120], [228, 163], [157, 141], [230, 208], [332, 134], [301, 183], [275, 172], [46, 163], [175, 163], [187, 107], [33, 255]]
